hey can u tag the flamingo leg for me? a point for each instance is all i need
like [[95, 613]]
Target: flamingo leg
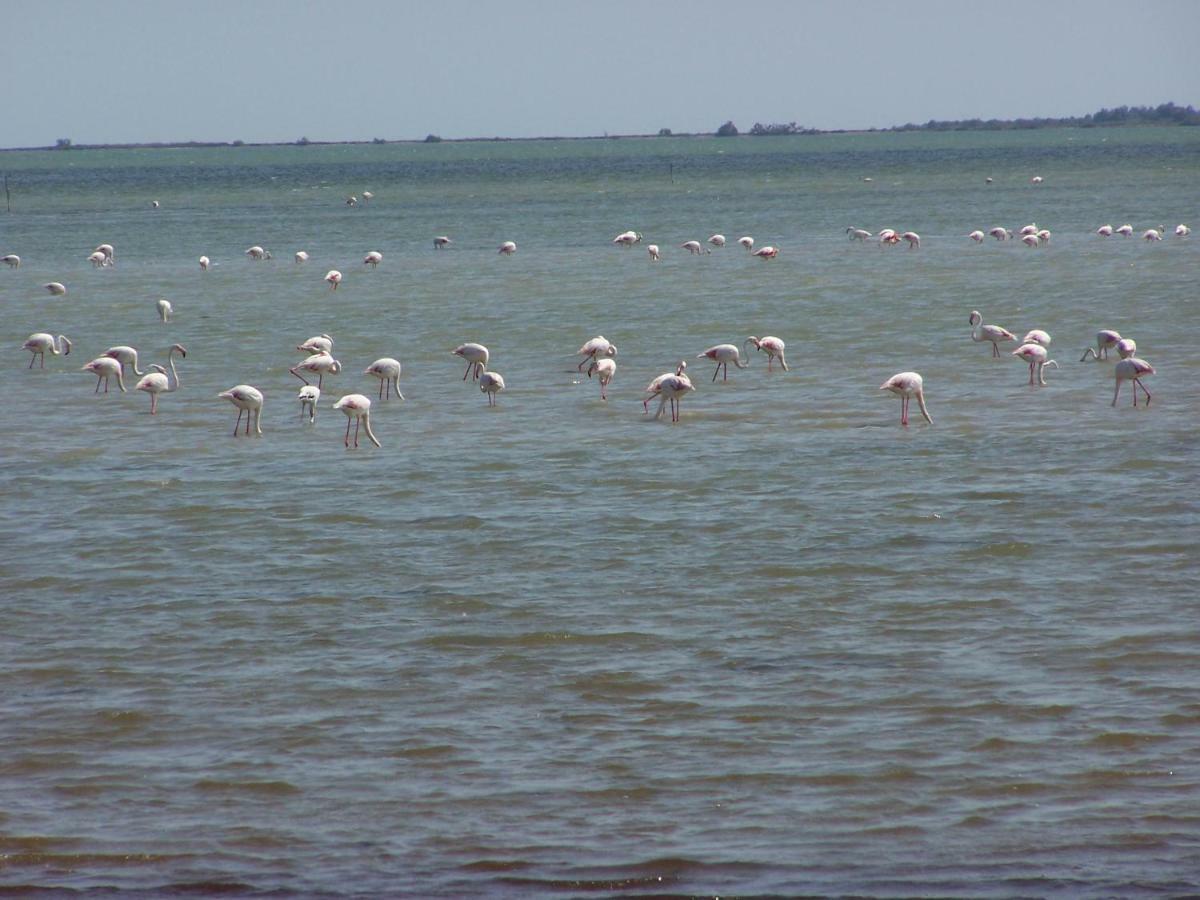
[[298, 375], [248, 414], [995, 350], [1138, 381], [347, 440], [381, 389], [724, 371], [903, 410], [237, 423], [357, 423], [32, 357], [716, 372], [468, 372], [154, 404], [320, 380]]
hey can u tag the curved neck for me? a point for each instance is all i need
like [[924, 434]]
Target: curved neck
[[366, 421], [174, 374]]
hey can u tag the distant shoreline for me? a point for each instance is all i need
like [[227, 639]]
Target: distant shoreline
[[1161, 116]]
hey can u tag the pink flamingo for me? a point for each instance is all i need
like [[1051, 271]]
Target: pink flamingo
[[491, 383], [597, 346], [767, 252], [652, 389], [387, 370], [476, 356], [319, 364], [604, 370], [358, 410], [914, 239], [157, 382], [1035, 355], [1132, 369], [38, 343], [907, 385], [248, 400], [334, 277], [724, 354], [1106, 339], [993, 333], [673, 388], [104, 368], [770, 345]]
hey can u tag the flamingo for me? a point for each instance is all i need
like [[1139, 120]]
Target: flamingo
[[652, 389], [318, 364], [334, 277], [858, 234], [627, 238], [1126, 347], [373, 259], [357, 409], [1035, 354], [1125, 230], [1031, 228], [104, 368], [1036, 336], [1044, 235], [320, 343], [157, 382], [476, 356], [977, 236], [248, 400], [1030, 240], [597, 346], [491, 383], [889, 236], [717, 240], [38, 343], [164, 309], [993, 333], [107, 250], [508, 248], [604, 370], [257, 253], [1181, 230], [441, 242], [204, 263], [1152, 234], [154, 204], [770, 345], [367, 197], [1036, 179], [914, 239], [1105, 231], [98, 259], [1106, 338], [387, 370], [673, 388], [14, 262], [694, 248], [767, 252], [301, 256], [56, 287], [126, 356], [352, 200], [652, 249], [1132, 369], [724, 354], [1000, 234], [309, 396], [907, 385], [747, 242]]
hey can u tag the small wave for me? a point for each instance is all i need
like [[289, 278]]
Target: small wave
[[266, 788], [1125, 739]]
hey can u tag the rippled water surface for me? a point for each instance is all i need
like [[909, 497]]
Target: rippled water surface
[[560, 648]]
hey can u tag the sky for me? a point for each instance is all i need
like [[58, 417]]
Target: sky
[[278, 70]]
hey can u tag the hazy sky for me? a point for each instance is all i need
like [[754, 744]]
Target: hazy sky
[[276, 70]]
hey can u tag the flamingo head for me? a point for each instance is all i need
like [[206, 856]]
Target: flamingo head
[[180, 349]]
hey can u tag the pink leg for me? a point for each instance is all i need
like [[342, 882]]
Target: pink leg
[[298, 375], [154, 404], [1137, 381], [357, 422], [347, 440]]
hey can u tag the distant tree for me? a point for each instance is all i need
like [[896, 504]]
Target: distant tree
[[776, 128], [62, 144], [727, 130], [432, 139], [664, 132], [378, 141], [303, 142], [239, 143]]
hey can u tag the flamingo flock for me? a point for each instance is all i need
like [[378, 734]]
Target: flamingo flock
[[597, 354]]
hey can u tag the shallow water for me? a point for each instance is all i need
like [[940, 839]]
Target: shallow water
[[560, 648]]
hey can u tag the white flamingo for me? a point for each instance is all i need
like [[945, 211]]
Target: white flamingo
[[1030, 240], [1181, 230], [126, 356], [1105, 231], [717, 240], [858, 234], [1106, 339], [652, 389], [1035, 354], [1043, 235], [724, 354], [55, 287], [652, 249], [301, 256], [508, 248], [1125, 230], [98, 259], [604, 370], [204, 263], [747, 242], [319, 343], [248, 400], [914, 239], [770, 345], [491, 383], [767, 252], [373, 259], [157, 382], [673, 388], [694, 248], [358, 410], [1152, 234], [476, 356], [164, 309], [1036, 179], [441, 242], [39, 342], [387, 370], [367, 197], [104, 368], [334, 277], [993, 333], [257, 253], [319, 364], [1036, 336], [627, 238], [14, 262], [1000, 234], [977, 236], [309, 397], [107, 250], [1031, 228], [907, 385], [1132, 369], [597, 346]]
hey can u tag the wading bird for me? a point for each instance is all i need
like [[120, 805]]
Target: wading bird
[[770, 345], [309, 396], [604, 370], [1106, 339], [39, 342], [248, 400], [104, 368], [993, 333], [1035, 355], [157, 382], [164, 309], [596, 347], [724, 354], [387, 370], [491, 383], [907, 385], [1132, 369], [476, 356], [319, 364], [358, 410]]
